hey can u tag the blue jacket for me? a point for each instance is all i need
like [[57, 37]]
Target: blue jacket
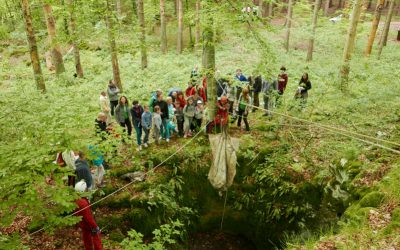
[[96, 155], [147, 120]]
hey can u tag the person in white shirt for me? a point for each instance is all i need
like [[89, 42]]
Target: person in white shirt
[[105, 106]]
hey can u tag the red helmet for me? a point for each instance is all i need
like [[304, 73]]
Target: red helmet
[[224, 99]]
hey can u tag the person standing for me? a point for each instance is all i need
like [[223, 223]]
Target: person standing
[[257, 87], [198, 115], [82, 170], [222, 115], [90, 229], [282, 83], [244, 102], [179, 117], [136, 113], [304, 87], [157, 121], [268, 88], [242, 79], [146, 125], [105, 106], [188, 112], [112, 91], [97, 160], [164, 116], [122, 114]]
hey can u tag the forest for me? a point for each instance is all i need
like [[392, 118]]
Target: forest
[[199, 124]]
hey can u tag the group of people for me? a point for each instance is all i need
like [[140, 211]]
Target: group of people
[[181, 113]]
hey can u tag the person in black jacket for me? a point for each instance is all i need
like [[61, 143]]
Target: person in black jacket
[[164, 115], [256, 92], [302, 91]]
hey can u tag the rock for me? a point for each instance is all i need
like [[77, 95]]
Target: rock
[[137, 176]]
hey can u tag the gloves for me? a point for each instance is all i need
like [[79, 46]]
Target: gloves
[[96, 230]]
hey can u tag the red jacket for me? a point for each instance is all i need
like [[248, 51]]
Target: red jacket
[[87, 222], [201, 92], [181, 101], [222, 113], [282, 82]]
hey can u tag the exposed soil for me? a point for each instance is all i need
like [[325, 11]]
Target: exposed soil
[[219, 241]]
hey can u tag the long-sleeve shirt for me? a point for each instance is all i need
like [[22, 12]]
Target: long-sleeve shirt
[[282, 82], [136, 113], [189, 110], [104, 104], [157, 120], [306, 85], [243, 103], [113, 93], [198, 113], [147, 120], [87, 222], [163, 108]]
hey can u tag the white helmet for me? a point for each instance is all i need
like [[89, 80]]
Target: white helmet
[[80, 186]]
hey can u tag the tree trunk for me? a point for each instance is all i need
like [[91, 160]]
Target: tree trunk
[[56, 55], [386, 28], [326, 9], [349, 46], [176, 7], [30, 33], [143, 49], [180, 27], [119, 8], [288, 24], [313, 27], [270, 9], [134, 8], [209, 62], [369, 4], [375, 23], [163, 27], [10, 15], [340, 4], [74, 39], [261, 8], [66, 31], [197, 23], [113, 46]]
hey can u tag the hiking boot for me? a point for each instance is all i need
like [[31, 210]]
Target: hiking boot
[[167, 140]]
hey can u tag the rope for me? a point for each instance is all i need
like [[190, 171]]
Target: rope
[[130, 183], [223, 211]]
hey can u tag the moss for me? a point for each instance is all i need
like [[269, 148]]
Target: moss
[[373, 199], [356, 215], [142, 220]]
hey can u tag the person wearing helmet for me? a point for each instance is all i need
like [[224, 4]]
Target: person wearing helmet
[[89, 227]]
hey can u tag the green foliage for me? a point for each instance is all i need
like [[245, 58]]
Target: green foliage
[[166, 235], [373, 199]]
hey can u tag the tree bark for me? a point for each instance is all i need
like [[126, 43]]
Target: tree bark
[[113, 46], [119, 8], [313, 27], [163, 27], [261, 7], [288, 24], [142, 38], [56, 55], [375, 23], [197, 23], [209, 62], [349, 46], [180, 27], [30, 33], [74, 39], [326, 8], [270, 9], [386, 28]]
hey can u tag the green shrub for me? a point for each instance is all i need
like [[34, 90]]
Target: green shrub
[[373, 199]]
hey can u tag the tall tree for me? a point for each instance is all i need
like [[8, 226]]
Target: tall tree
[[197, 23], [163, 27], [313, 27], [142, 38], [271, 8], [56, 55], [113, 46], [375, 23], [74, 37], [386, 28], [326, 8], [288, 24], [180, 27], [119, 8], [30, 33], [209, 58], [349, 46]]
